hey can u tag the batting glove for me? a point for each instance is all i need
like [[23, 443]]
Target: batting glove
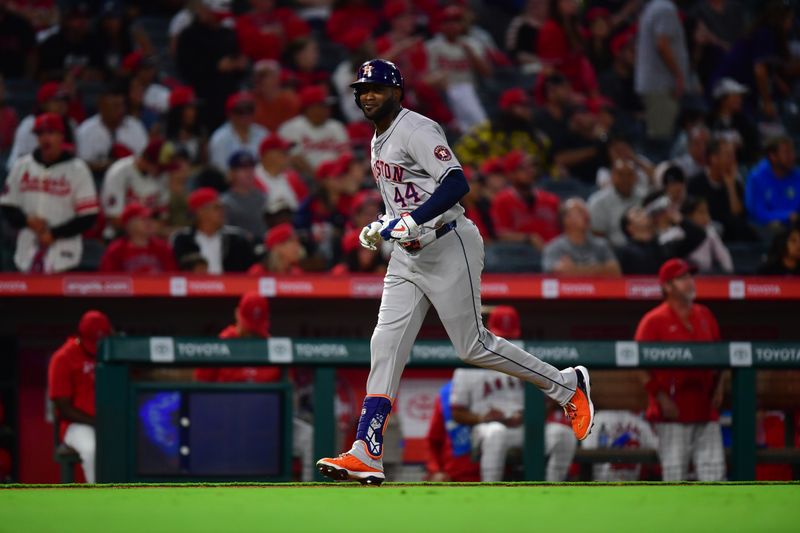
[[370, 235], [404, 228]]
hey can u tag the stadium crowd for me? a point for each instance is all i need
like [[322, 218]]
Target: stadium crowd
[[600, 137]]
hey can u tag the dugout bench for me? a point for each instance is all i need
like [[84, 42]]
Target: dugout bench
[[119, 355]]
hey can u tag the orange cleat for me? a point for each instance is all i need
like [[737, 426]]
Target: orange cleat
[[580, 409], [355, 465]]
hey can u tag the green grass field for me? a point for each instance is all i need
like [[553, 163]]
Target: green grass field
[[408, 508]]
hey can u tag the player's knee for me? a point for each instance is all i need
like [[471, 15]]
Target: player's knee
[[495, 432], [472, 352]]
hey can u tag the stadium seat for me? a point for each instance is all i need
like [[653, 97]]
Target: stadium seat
[[747, 256], [511, 257], [21, 95], [567, 187]]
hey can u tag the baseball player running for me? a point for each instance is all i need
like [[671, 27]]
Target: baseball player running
[[437, 260]]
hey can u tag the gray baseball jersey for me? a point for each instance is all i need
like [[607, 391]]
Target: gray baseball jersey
[[409, 161], [480, 391]]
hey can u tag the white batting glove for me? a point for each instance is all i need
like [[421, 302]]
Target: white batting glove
[[404, 228], [370, 235]]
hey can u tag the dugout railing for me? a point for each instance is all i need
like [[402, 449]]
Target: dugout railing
[[119, 355]]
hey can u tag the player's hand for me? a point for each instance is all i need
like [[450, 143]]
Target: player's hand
[[404, 228], [37, 224], [46, 238], [370, 235], [668, 407], [493, 416]]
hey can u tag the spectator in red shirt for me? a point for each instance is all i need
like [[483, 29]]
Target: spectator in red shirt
[[351, 14], [275, 104], [683, 403], [70, 383], [522, 212], [560, 44], [252, 321], [365, 208], [303, 56], [139, 251], [264, 32], [322, 218], [284, 252]]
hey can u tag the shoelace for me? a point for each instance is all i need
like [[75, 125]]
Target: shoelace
[[570, 410]]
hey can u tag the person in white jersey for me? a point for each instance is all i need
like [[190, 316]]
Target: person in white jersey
[[437, 260]]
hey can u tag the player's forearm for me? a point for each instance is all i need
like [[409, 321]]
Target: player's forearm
[[453, 187], [14, 216], [72, 414], [466, 417], [73, 227]]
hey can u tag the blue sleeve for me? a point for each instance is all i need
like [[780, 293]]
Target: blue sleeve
[[754, 199], [452, 188]]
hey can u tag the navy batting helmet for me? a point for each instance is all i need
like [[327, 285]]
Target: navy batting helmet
[[378, 71]]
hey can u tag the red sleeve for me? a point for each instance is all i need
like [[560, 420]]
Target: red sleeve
[[436, 439], [168, 263], [552, 44], [298, 186], [58, 378], [111, 260], [502, 216]]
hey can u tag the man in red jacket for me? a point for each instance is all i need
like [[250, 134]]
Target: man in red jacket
[[252, 321], [683, 403], [70, 380], [139, 251]]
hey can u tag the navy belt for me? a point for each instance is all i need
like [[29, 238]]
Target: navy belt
[[419, 244]]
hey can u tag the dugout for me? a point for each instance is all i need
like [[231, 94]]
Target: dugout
[[40, 311]]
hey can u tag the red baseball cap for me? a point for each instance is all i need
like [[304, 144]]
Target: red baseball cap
[[182, 95], [451, 12], [514, 160], [133, 210], [253, 313], [674, 268], [273, 142], [515, 96], [202, 197], [240, 100], [92, 327], [504, 322], [621, 40], [48, 122], [395, 8], [493, 165], [316, 94], [49, 91], [354, 38], [365, 197], [279, 235], [330, 169], [597, 13]]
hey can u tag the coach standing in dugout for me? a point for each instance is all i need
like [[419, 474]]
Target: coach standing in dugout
[[683, 403], [70, 382]]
